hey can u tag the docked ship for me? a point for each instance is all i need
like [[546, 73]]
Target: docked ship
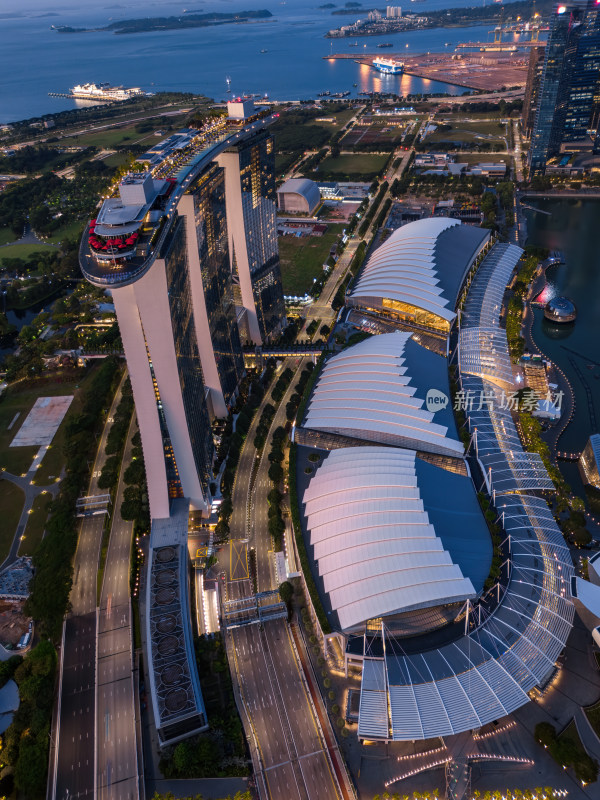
[[104, 91], [388, 66]]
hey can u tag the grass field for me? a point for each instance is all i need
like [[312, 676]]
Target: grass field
[[54, 460], [72, 231], [108, 138], [36, 522], [302, 259], [6, 236], [366, 164], [341, 118], [374, 134], [570, 732], [12, 500], [476, 132], [17, 399], [115, 160], [23, 250]]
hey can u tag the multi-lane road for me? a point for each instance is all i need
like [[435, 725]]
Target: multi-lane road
[[96, 754], [278, 711], [295, 764], [73, 773], [117, 767]]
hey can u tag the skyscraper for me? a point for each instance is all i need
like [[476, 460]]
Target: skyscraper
[[569, 82], [171, 285], [156, 320], [252, 224], [211, 288], [584, 83], [532, 88]]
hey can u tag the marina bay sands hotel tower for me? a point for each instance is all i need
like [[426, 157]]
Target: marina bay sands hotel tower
[[170, 246]]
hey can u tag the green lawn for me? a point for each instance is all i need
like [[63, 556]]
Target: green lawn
[[71, 231], [14, 459], [112, 137], [6, 236], [368, 165], [36, 522], [593, 715], [12, 500], [570, 732], [341, 118], [302, 259], [477, 132], [105, 139], [20, 398], [23, 250], [115, 160]]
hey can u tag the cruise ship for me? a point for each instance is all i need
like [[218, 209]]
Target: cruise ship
[[104, 91], [388, 65]]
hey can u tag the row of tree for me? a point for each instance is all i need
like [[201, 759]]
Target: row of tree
[[27, 737], [135, 506], [364, 225], [115, 441], [53, 568]]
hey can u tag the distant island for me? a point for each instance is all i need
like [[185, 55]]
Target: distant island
[[170, 23]]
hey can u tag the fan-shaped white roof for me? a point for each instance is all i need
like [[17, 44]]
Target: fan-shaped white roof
[[376, 391], [417, 267], [376, 550]]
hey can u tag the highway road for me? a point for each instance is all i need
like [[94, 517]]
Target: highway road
[[294, 759], [260, 538], [74, 758], [279, 712], [117, 767]]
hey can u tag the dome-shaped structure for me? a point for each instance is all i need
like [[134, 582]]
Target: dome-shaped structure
[[298, 195], [560, 309]]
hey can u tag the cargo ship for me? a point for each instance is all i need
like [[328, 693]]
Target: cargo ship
[[388, 66], [104, 91]]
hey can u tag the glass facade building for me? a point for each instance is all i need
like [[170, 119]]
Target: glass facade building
[[569, 82], [252, 221], [532, 88], [212, 242]]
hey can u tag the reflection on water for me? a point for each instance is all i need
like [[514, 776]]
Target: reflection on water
[[572, 228], [370, 80], [554, 331]]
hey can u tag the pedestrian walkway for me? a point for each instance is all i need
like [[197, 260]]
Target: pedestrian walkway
[[31, 492]]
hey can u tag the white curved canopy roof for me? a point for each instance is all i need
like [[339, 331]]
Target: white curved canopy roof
[[408, 266], [366, 392], [377, 552]]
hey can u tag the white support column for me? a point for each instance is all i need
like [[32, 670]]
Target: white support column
[[236, 230], [152, 297], [205, 346], [132, 335]]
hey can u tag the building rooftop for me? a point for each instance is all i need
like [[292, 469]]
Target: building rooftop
[[175, 689], [303, 186], [391, 533], [376, 391], [422, 264]]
